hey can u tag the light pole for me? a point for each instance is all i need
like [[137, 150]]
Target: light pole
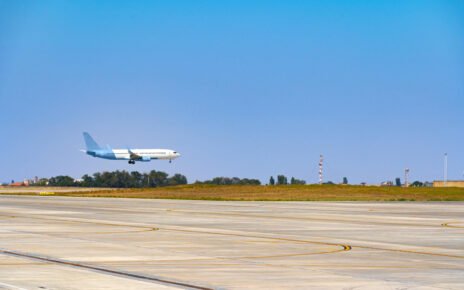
[[445, 174], [406, 177], [321, 166]]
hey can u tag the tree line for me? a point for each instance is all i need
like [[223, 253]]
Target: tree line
[[135, 179], [282, 180], [119, 179], [230, 181]]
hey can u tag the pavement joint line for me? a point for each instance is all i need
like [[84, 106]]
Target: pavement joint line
[[303, 218], [276, 217], [101, 233], [74, 220], [283, 217], [12, 287], [102, 269], [79, 238]]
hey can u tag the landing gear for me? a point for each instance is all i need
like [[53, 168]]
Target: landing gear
[[131, 161]]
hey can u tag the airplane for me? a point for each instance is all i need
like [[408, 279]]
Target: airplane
[[132, 155]]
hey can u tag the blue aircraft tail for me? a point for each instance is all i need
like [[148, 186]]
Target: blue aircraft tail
[[90, 143]]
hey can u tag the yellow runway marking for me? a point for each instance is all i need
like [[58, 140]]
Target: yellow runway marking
[[453, 225], [412, 252], [342, 248]]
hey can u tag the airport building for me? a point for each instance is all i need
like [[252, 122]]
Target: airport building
[[449, 183], [16, 184]]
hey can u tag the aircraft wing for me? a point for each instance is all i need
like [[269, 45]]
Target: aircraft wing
[[133, 156]]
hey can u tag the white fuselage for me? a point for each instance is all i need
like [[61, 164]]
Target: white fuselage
[[134, 154], [165, 154]]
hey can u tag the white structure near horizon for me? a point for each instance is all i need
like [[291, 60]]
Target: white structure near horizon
[[321, 164]]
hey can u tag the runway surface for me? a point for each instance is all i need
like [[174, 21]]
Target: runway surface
[[101, 243]]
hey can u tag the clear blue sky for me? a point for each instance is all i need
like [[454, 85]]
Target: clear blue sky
[[240, 88]]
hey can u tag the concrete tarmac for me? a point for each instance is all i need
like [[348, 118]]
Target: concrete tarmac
[[102, 243]]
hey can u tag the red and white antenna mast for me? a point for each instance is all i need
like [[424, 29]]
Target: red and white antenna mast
[[406, 177]]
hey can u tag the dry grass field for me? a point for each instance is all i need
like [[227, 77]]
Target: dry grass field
[[265, 193]]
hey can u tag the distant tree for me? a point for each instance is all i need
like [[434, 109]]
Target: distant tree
[[97, 179], [417, 184], [250, 181], [87, 181], [271, 180], [293, 180], [61, 181], [282, 180], [136, 179], [157, 178], [345, 180], [120, 179], [235, 180], [398, 181], [220, 181], [42, 182], [177, 179]]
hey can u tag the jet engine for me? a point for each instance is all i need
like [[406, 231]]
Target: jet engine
[[145, 158]]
